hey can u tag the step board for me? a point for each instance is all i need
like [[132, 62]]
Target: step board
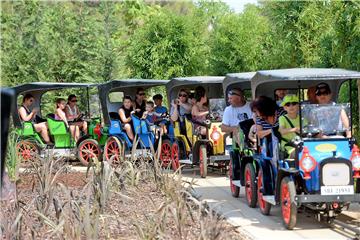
[[270, 199], [185, 161], [237, 183], [220, 158]]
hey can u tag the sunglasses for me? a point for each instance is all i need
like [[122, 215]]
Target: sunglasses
[[322, 93], [182, 95], [141, 94], [73, 100], [234, 93], [291, 104]]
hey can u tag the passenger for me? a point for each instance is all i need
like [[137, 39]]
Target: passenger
[[140, 102], [252, 136], [180, 107], [60, 115], [125, 112], [192, 99], [238, 111], [27, 115], [158, 98], [268, 113], [73, 114], [151, 118], [311, 95], [199, 110], [279, 95], [289, 124], [323, 96]]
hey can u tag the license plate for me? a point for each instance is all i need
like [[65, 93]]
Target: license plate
[[337, 190]]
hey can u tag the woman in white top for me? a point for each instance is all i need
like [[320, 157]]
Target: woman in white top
[[72, 112], [60, 115]]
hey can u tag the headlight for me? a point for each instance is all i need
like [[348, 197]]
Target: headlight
[[307, 163], [215, 136]]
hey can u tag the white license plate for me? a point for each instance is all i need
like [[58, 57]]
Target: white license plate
[[337, 190]]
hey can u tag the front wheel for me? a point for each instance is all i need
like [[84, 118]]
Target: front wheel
[[263, 205], [288, 205], [250, 185], [165, 153], [114, 151], [203, 161], [175, 152], [88, 150], [235, 190]]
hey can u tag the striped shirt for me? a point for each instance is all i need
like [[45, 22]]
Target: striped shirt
[[265, 125]]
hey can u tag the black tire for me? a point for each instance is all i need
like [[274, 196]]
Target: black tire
[[88, 149], [235, 190], [288, 205], [250, 185], [264, 206], [357, 185], [195, 152]]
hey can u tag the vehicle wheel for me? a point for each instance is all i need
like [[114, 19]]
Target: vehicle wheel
[[250, 185], [235, 190], [27, 151], [203, 161], [165, 154], [114, 151], [88, 149], [288, 205], [175, 153], [357, 187], [263, 205]]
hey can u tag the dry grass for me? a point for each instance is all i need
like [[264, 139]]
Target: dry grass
[[136, 200]]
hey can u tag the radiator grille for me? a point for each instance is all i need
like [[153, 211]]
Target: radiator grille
[[335, 174]]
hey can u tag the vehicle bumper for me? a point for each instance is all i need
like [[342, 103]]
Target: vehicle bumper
[[317, 198]]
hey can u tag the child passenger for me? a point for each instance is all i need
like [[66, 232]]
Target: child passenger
[[289, 124], [159, 108], [151, 116]]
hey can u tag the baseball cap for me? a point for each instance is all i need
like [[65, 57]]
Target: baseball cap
[[322, 88], [290, 98]]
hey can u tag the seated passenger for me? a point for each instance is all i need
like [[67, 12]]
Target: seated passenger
[[27, 115], [125, 112], [180, 107], [279, 95], [151, 116], [238, 111], [140, 102], [289, 124], [323, 96], [72, 113], [158, 98], [60, 115], [267, 115], [200, 110]]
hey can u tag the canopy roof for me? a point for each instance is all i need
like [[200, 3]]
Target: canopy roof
[[196, 80], [241, 80], [265, 82], [47, 86]]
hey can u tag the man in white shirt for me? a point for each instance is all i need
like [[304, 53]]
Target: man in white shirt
[[238, 111]]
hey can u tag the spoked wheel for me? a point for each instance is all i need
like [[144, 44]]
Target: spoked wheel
[[203, 161], [87, 150], [165, 154], [27, 151], [114, 151], [175, 152], [250, 185], [235, 190], [263, 205], [288, 205]]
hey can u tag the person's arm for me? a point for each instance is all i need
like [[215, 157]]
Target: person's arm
[[195, 112], [186, 106], [123, 117], [62, 116], [24, 116], [227, 129], [67, 114], [262, 133], [346, 123], [174, 112]]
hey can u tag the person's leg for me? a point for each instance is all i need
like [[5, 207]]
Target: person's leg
[[84, 127], [72, 131], [129, 132], [77, 133], [43, 130]]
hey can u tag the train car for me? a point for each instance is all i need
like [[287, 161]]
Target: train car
[[323, 174]]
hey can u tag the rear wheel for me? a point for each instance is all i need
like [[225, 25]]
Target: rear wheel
[[203, 161], [263, 205], [88, 150], [235, 190], [250, 185], [114, 151], [165, 154], [288, 205], [357, 187], [27, 151], [175, 153]]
